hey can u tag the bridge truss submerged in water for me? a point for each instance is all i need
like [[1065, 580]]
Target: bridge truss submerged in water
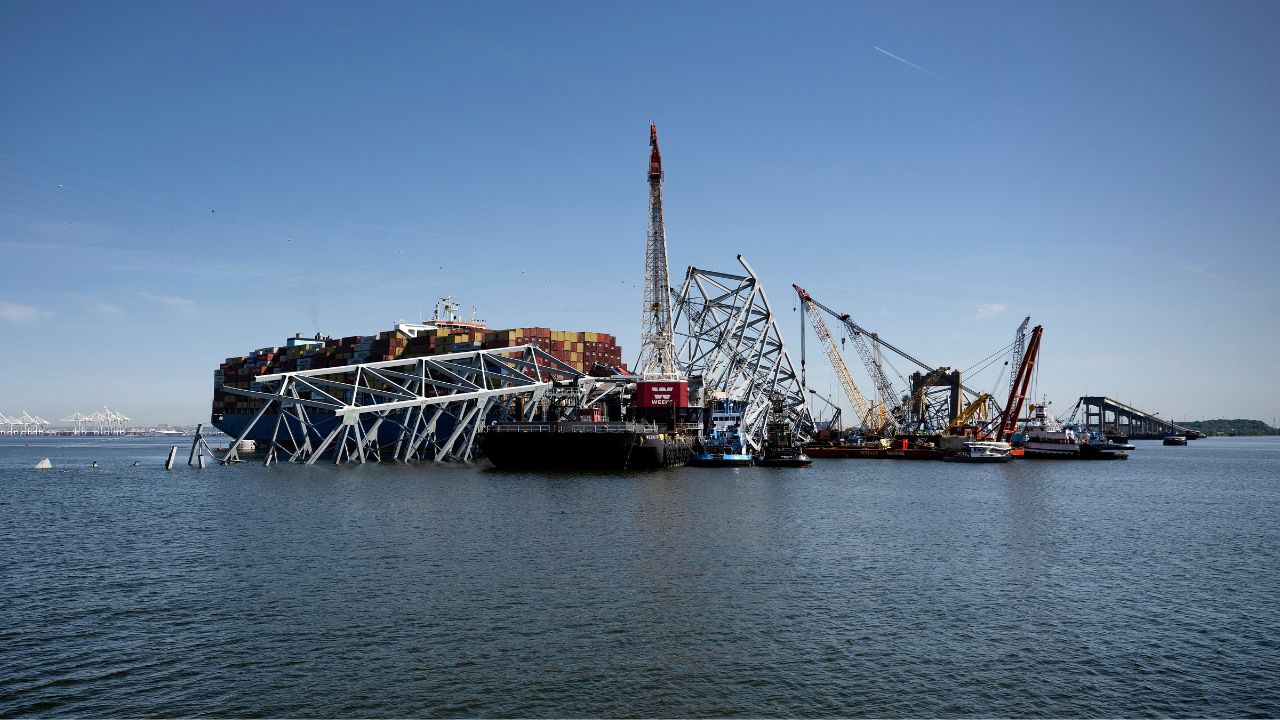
[[421, 409]]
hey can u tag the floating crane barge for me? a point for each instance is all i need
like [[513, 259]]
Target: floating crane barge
[[652, 423]]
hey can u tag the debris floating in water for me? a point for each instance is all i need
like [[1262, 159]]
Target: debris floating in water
[[44, 465]]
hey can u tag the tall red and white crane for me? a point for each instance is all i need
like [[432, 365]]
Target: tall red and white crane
[[657, 359]]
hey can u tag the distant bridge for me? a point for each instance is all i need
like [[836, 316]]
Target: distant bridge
[[1102, 414]]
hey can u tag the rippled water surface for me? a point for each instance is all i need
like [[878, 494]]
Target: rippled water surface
[[886, 588]]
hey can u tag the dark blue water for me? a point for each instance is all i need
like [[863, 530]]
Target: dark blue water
[[1141, 588]]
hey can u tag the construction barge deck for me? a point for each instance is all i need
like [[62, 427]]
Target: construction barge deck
[[576, 445]]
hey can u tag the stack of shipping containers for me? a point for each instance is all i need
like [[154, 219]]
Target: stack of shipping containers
[[581, 350]]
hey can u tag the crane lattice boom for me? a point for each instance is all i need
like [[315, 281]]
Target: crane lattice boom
[[1019, 346], [657, 339], [833, 354], [1021, 380], [886, 424]]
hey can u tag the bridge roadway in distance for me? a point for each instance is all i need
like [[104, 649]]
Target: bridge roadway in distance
[[1102, 413]]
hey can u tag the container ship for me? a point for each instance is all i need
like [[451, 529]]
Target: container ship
[[444, 333]]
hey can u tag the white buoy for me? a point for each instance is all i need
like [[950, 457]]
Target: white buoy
[[173, 452], [44, 465]]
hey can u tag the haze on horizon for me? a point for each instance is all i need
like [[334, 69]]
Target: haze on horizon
[[181, 183]]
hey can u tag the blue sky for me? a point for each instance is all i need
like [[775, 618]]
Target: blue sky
[[183, 182]]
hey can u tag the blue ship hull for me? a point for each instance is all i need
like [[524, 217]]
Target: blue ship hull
[[721, 460]]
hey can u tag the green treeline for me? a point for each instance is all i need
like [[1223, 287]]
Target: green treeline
[[1231, 427]]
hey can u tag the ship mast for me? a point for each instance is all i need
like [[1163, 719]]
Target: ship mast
[[657, 343]]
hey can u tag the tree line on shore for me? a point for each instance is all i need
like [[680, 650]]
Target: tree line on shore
[[1231, 427]]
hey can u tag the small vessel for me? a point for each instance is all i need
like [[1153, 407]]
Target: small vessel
[[780, 448], [791, 457], [1175, 439], [1116, 436], [723, 446], [1102, 447], [44, 465], [1096, 447], [1108, 441], [720, 456], [982, 451]]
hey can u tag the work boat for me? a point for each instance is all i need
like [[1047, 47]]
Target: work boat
[[722, 449], [780, 447], [983, 451], [1043, 437], [1100, 447], [723, 446]]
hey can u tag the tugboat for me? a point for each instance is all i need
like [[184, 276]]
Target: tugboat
[[1116, 436], [1175, 439], [780, 449], [723, 446], [983, 451], [1100, 447]]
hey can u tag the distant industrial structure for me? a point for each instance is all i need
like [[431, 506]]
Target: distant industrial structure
[[25, 424], [104, 422]]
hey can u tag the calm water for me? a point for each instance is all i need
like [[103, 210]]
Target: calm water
[[1139, 588]]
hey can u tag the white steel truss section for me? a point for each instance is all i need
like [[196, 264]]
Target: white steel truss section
[[726, 333], [421, 409]]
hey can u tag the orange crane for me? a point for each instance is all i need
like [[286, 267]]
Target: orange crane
[[1021, 381]]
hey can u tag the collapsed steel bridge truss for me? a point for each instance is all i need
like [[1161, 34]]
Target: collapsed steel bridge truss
[[421, 409], [726, 333]]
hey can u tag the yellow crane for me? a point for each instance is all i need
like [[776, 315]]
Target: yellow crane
[[971, 410], [833, 354]]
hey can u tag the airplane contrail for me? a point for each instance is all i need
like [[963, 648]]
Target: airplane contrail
[[904, 60]]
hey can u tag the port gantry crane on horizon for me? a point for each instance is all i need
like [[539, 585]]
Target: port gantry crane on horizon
[[657, 359]]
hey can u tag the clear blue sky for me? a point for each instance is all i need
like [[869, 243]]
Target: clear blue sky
[[181, 182]]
